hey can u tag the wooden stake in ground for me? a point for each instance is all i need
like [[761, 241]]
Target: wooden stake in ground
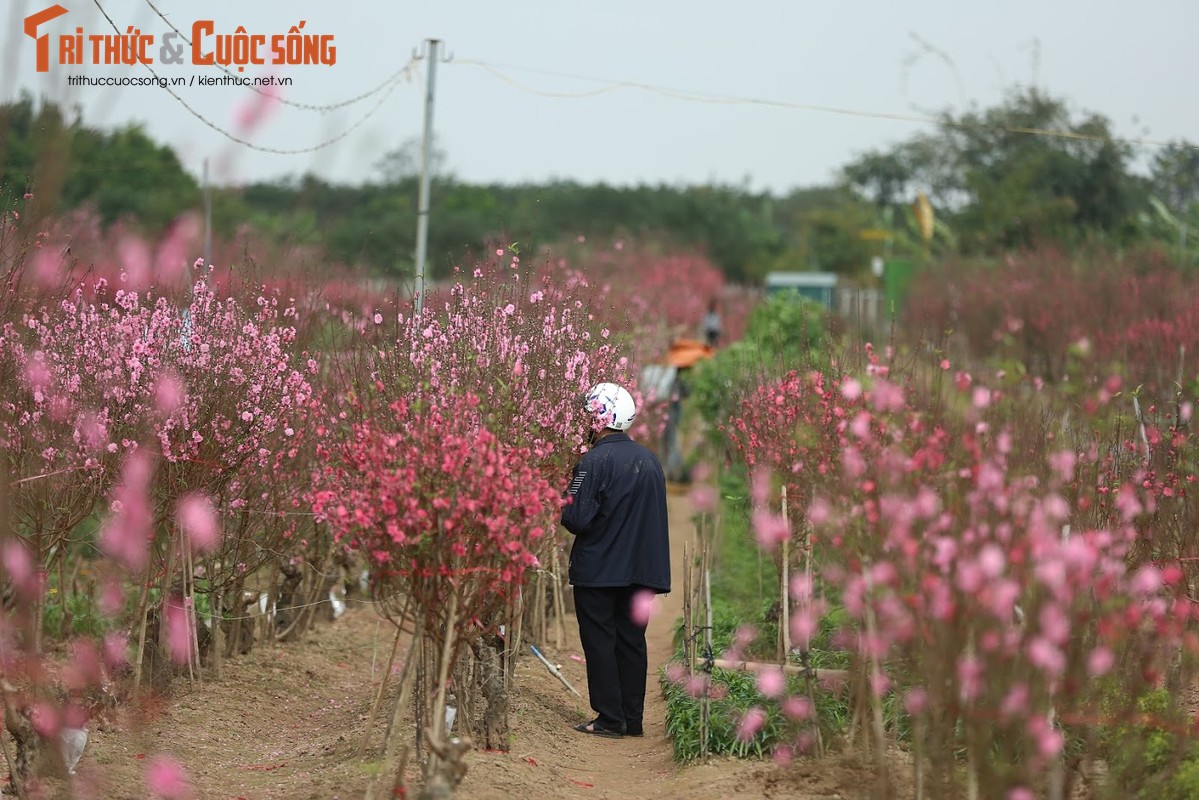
[[512, 639], [706, 704], [370, 722], [789, 669], [805, 647], [392, 738], [688, 644], [876, 704], [216, 646], [537, 632], [143, 617], [559, 604], [785, 599], [918, 755], [436, 765], [193, 615]]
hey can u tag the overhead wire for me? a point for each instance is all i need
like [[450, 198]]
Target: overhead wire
[[318, 107], [409, 67], [614, 84]]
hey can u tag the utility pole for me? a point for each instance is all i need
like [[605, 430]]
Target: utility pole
[[422, 207]]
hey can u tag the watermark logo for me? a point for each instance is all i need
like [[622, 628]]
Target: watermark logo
[[208, 47], [43, 42]]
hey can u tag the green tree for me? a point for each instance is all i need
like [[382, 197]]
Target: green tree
[[1174, 175], [1025, 171], [122, 173]]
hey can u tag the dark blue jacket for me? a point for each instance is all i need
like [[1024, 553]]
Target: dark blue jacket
[[616, 508]]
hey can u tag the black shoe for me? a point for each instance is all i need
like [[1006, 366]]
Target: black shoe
[[594, 729], [634, 730]]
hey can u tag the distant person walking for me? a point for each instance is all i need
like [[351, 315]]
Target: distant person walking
[[616, 508], [712, 325]]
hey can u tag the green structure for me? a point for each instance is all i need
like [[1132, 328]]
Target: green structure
[[897, 278], [820, 287]]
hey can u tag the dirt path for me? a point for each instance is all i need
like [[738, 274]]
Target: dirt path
[[286, 720], [548, 759]]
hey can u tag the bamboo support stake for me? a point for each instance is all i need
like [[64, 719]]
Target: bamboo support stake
[[375, 647], [538, 632], [876, 705], [37, 621], [218, 631], [806, 645], [194, 617], [370, 721], [189, 618], [512, 640], [407, 678], [785, 602], [559, 603], [789, 669], [437, 723], [143, 614], [688, 644], [918, 756], [63, 591], [706, 706]]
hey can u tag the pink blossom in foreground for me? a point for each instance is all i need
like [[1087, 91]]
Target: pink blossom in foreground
[[797, 707], [134, 255], [166, 779], [915, 701], [643, 607], [116, 650], [750, 723], [1100, 661], [125, 535], [46, 719], [703, 498], [112, 598], [698, 685], [169, 394], [772, 682], [18, 563], [198, 520], [771, 529], [178, 631]]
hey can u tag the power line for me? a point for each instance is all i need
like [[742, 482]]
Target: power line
[[322, 108], [612, 84], [245, 142]]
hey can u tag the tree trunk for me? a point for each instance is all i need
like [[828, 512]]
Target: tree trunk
[[495, 717]]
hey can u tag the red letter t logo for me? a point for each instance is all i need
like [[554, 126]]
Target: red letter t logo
[[43, 42]]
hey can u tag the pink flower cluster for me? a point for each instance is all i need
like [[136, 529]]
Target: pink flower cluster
[[993, 570]]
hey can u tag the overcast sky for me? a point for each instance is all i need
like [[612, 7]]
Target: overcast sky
[[1136, 63]]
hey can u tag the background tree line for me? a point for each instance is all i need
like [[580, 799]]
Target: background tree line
[[995, 188]]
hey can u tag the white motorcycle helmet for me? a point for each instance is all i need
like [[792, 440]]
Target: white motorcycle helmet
[[612, 405]]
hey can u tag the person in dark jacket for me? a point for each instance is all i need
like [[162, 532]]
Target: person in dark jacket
[[616, 508]]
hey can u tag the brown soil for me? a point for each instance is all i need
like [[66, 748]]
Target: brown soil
[[285, 722]]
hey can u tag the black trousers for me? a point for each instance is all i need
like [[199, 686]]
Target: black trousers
[[614, 646]]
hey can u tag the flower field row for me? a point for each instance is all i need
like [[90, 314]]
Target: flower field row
[[1005, 558]]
